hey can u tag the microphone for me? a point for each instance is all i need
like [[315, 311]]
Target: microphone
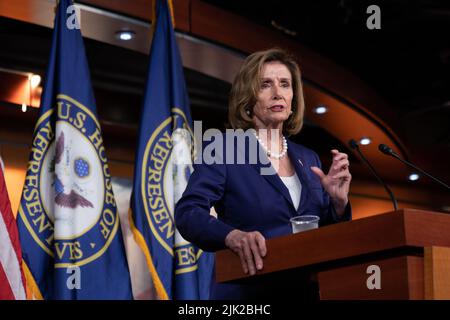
[[354, 145], [388, 151]]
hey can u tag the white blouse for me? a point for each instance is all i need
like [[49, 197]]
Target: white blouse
[[295, 188]]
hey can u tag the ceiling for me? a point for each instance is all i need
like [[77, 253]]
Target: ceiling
[[406, 63]]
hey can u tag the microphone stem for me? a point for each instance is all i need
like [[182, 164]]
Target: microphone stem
[[394, 201], [420, 170]]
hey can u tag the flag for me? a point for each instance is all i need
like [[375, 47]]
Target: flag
[[12, 280], [163, 165], [68, 221]]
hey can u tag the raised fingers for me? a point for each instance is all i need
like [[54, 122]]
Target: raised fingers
[[341, 164], [337, 156], [343, 174], [338, 166]]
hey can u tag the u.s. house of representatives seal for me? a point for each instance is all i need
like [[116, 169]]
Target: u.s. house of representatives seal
[[68, 204], [166, 167]]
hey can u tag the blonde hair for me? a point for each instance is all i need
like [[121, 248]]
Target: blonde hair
[[246, 86]]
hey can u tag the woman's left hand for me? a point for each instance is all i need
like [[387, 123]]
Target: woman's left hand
[[337, 181]]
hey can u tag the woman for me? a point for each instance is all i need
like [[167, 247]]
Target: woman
[[266, 96]]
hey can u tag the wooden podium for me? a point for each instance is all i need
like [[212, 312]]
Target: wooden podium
[[403, 254]]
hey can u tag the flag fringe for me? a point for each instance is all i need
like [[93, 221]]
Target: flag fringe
[[32, 289], [153, 21], [160, 291]]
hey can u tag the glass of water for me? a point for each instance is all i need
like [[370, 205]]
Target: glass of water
[[303, 223]]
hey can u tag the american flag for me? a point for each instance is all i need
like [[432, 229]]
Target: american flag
[[12, 283]]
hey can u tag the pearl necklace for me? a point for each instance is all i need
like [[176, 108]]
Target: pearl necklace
[[271, 154]]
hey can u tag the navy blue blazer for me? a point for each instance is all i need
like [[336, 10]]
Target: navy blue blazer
[[246, 200]]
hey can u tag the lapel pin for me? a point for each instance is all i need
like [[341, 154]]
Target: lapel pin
[[300, 161]]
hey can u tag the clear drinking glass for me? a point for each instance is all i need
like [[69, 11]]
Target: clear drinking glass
[[305, 222]]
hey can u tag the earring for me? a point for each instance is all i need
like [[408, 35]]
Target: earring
[[247, 111]]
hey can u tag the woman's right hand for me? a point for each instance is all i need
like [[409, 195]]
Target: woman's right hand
[[250, 247]]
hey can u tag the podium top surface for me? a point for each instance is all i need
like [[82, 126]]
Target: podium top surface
[[406, 228]]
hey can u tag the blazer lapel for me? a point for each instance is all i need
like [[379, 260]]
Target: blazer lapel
[[272, 177], [300, 166]]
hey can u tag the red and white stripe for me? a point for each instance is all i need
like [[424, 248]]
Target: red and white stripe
[[11, 275]]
